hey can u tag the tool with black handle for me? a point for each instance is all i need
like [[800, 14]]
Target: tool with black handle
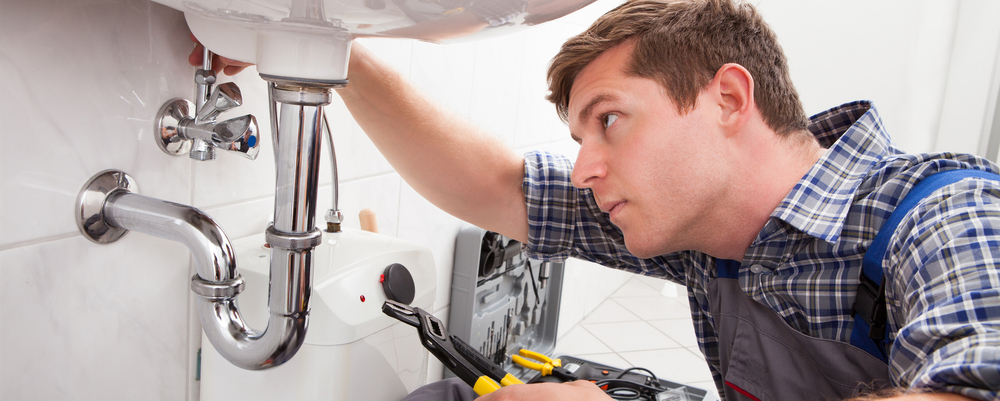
[[472, 367]]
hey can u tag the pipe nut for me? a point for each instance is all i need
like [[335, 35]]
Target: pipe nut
[[334, 216], [293, 241], [217, 289]]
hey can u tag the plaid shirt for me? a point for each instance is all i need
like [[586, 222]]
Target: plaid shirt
[[942, 285]]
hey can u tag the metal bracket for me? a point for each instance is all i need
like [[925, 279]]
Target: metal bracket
[[296, 242], [90, 205], [215, 289], [168, 119]]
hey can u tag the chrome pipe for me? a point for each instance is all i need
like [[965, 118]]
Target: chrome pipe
[[204, 78], [218, 281], [297, 153], [214, 256]]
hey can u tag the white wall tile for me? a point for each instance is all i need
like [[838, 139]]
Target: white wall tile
[[444, 72], [425, 224], [88, 321], [496, 84], [61, 128]]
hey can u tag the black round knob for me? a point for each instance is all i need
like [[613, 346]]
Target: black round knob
[[398, 283]]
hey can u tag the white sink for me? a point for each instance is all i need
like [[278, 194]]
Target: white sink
[[311, 39]]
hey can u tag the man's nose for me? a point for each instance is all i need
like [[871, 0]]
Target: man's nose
[[589, 167]]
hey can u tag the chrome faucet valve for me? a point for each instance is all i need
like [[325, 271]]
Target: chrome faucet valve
[[177, 129], [223, 97], [186, 127]]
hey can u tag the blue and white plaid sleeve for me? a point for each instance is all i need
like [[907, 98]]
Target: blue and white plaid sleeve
[[565, 221], [947, 287]]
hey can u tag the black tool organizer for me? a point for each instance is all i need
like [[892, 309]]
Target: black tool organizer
[[502, 301]]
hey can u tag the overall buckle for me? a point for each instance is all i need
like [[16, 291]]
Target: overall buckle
[[870, 304]]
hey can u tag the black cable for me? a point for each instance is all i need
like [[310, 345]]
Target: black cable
[[655, 380], [638, 389], [623, 394], [629, 394]]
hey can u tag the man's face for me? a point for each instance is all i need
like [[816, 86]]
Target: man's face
[[655, 171]]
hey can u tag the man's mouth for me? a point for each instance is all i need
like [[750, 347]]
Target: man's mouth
[[613, 208]]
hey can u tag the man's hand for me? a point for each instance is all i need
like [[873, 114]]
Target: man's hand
[[219, 63], [580, 390]]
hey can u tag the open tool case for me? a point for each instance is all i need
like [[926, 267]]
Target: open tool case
[[502, 301]]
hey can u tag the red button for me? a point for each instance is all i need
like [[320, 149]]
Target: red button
[[362, 298]]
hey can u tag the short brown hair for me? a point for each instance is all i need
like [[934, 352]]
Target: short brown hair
[[682, 44]]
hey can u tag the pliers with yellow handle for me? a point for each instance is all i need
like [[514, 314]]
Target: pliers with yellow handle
[[472, 367], [545, 365]]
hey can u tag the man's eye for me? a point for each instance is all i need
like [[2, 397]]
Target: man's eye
[[609, 119]]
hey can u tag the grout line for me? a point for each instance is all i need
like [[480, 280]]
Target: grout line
[[38, 241]]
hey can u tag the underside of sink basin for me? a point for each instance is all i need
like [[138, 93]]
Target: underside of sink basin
[[310, 39]]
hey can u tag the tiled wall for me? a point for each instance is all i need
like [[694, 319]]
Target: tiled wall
[[81, 81]]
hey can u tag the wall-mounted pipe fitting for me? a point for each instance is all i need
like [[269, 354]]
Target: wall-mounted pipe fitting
[[108, 207], [191, 128]]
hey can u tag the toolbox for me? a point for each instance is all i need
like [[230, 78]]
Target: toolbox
[[503, 302]]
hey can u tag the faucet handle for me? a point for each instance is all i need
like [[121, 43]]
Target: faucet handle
[[224, 97], [238, 135]]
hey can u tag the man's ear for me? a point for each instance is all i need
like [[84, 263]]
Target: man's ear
[[734, 89]]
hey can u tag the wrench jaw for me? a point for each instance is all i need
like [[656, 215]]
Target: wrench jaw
[[435, 327], [401, 312], [436, 339]]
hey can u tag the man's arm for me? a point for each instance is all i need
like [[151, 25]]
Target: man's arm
[[459, 168]]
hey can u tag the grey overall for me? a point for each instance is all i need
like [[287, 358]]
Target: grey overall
[[762, 358]]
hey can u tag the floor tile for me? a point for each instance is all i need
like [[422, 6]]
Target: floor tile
[[655, 308], [655, 282], [679, 330], [676, 365], [610, 311], [579, 341], [630, 336], [636, 287]]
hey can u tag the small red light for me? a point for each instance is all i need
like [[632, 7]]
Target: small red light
[[381, 278], [362, 298]]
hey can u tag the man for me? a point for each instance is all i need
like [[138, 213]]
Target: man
[[698, 165]]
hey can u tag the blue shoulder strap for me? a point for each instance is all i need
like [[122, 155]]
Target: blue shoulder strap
[[870, 331]]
